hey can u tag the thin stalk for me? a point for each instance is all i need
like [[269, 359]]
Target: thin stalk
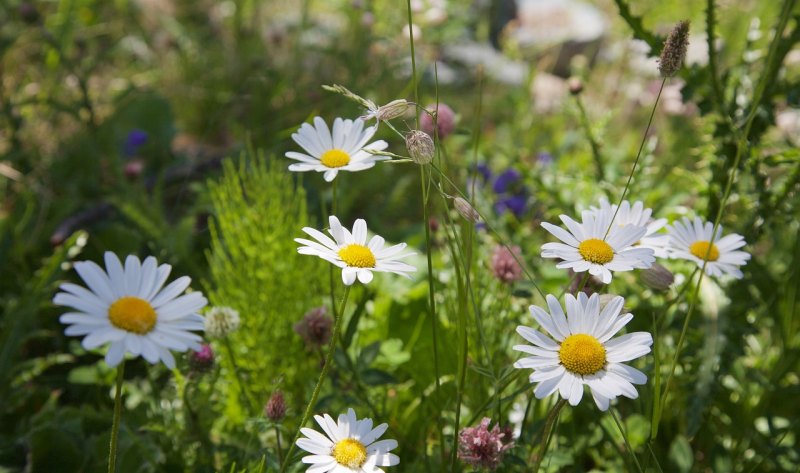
[[112, 447], [278, 443], [432, 304], [625, 439], [322, 375], [413, 60], [638, 156], [239, 379], [548, 430], [490, 228]]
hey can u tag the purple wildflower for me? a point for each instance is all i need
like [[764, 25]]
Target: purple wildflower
[[481, 447], [202, 360], [504, 266], [445, 120], [505, 180], [136, 139], [516, 204]]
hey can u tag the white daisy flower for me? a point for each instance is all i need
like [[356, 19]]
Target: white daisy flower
[[583, 352], [127, 307], [691, 240], [586, 246], [348, 445], [352, 253], [637, 214], [339, 151]]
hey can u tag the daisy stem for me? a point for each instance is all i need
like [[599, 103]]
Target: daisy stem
[[112, 448], [548, 430], [314, 395], [638, 155], [741, 146], [625, 439], [413, 60]]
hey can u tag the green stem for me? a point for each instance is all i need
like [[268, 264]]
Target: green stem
[[432, 304], [239, 378], [112, 448], [322, 375], [587, 127], [413, 61], [278, 442], [625, 439], [548, 430]]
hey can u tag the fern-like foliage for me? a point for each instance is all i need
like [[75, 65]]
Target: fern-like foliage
[[255, 268]]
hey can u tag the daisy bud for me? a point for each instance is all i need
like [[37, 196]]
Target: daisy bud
[[504, 265], [420, 147], [275, 410], [674, 52], [315, 328], [466, 210], [483, 448], [657, 277], [202, 360], [220, 321], [445, 120]]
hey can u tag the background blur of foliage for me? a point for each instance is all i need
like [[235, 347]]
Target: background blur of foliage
[[115, 117]]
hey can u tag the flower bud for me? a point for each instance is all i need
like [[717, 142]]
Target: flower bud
[[275, 410], [315, 327], [674, 52], [202, 360], [391, 110], [657, 277], [466, 210], [575, 85], [420, 147]]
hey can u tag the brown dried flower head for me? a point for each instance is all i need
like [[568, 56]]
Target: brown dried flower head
[[275, 410], [674, 52]]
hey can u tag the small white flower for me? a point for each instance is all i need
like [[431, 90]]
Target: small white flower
[[220, 321], [583, 352], [348, 446], [352, 253], [637, 214], [340, 151], [691, 240], [127, 307], [596, 246]]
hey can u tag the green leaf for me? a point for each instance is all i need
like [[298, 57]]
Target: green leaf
[[680, 454], [375, 377]]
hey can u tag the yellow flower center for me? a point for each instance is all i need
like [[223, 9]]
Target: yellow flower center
[[358, 256], [133, 315], [701, 249], [582, 354], [596, 251], [335, 158], [350, 453]]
